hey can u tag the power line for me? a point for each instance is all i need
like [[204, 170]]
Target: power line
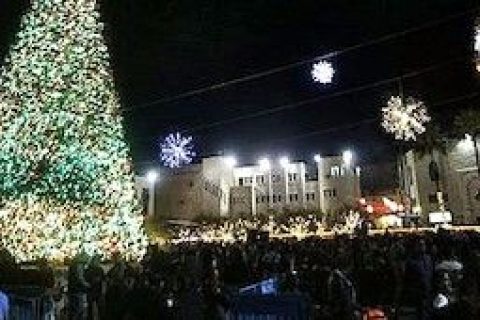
[[285, 67], [356, 124], [289, 106]]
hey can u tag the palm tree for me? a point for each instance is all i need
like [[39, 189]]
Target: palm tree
[[427, 143], [468, 122]]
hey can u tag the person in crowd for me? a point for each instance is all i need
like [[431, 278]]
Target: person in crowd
[[95, 276], [4, 306], [419, 274], [77, 290], [342, 296]]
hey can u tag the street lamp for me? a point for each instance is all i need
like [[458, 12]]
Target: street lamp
[[264, 163], [284, 162], [231, 161], [151, 177], [347, 157]]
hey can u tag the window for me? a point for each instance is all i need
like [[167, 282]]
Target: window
[[358, 171], [312, 197], [274, 198], [335, 171], [258, 199], [240, 182], [263, 198], [260, 179], [308, 196], [191, 184], [275, 178], [293, 197], [330, 193], [279, 198], [432, 198], [248, 180]]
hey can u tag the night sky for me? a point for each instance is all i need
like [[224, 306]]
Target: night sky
[[162, 48]]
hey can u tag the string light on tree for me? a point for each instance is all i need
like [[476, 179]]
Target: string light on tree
[[405, 120], [323, 72], [67, 182], [177, 150]]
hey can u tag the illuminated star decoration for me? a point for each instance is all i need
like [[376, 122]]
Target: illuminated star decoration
[[405, 120], [323, 72], [177, 150]]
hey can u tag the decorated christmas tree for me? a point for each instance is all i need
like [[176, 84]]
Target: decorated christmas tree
[[66, 179]]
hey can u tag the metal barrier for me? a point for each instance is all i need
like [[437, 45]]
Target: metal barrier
[[22, 308], [29, 303], [273, 307]]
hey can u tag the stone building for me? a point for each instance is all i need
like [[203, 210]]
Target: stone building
[[217, 187], [458, 182]]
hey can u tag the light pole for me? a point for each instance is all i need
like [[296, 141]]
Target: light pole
[[285, 163], [318, 160], [264, 165], [151, 178], [347, 157]]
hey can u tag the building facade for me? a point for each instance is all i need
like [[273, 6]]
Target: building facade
[[459, 182], [216, 187]]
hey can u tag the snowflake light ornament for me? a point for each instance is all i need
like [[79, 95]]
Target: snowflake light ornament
[[405, 120], [323, 72], [176, 150]]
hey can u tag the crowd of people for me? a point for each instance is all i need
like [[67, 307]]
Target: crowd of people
[[430, 275]]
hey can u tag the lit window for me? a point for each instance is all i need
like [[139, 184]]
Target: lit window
[[335, 171], [358, 171]]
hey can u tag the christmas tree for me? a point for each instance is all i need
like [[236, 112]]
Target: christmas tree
[[66, 181]]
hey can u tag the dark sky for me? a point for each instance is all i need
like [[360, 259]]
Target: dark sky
[[161, 48]]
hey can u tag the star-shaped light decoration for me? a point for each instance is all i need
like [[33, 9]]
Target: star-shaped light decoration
[[323, 72], [176, 150], [405, 119]]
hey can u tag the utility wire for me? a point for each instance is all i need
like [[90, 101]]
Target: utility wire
[[289, 106], [353, 125], [282, 68]]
